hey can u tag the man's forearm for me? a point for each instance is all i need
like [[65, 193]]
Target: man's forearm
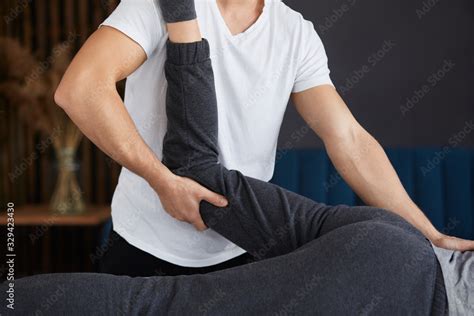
[[366, 168]]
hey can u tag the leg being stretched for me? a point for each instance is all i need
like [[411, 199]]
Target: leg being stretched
[[262, 218]]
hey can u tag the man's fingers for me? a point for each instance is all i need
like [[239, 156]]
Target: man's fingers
[[213, 198], [466, 245], [458, 244], [199, 224], [196, 220]]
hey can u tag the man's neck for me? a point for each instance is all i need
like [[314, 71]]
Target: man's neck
[[239, 15], [228, 4]]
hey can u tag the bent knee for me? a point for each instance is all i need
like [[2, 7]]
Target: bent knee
[[381, 215], [377, 237]]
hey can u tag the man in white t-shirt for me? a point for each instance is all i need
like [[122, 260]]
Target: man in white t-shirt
[[262, 53]]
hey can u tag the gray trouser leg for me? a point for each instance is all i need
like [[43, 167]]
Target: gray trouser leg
[[323, 277], [264, 219]]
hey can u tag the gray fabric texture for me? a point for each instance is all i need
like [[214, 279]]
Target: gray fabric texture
[[458, 273], [177, 10], [323, 277]]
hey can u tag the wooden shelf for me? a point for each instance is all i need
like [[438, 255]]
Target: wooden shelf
[[37, 215]]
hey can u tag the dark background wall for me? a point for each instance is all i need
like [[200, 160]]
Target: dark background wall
[[428, 58], [351, 36]]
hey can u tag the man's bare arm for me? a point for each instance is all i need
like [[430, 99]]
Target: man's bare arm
[[89, 96], [362, 162]]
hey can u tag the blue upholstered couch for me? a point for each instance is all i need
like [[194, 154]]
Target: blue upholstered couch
[[440, 181]]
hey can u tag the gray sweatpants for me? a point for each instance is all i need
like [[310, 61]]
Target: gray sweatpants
[[314, 259], [364, 268]]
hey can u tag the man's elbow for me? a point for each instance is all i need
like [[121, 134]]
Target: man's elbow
[[73, 91], [67, 93], [62, 95]]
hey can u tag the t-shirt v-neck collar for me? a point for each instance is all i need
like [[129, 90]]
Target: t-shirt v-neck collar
[[256, 25]]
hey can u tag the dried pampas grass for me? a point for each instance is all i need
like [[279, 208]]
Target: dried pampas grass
[[29, 85], [16, 62]]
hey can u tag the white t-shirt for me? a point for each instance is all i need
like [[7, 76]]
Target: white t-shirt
[[255, 73]]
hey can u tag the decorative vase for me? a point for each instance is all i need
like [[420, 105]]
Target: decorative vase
[[67, 196]]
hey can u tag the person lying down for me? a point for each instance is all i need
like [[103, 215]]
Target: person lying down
[[308, 259], [323, 277]]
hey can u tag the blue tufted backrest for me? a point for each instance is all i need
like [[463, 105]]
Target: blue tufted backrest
[[439, 180]]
